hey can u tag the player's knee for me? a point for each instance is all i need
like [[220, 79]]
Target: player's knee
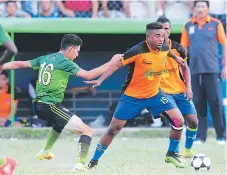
[[87, 131], [113, 130], [193, 123], [177, 124]]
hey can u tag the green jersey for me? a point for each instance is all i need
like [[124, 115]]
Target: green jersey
[[54, 71], [3, 36]]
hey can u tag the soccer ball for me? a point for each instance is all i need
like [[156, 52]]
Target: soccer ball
[[200, 162]]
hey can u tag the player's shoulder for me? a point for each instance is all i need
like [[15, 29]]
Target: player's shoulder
[[188, 23], [137, 49], [176, 45], [164, 48], [215, 21], [52, 57]]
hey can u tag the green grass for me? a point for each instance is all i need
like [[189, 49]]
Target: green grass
[[131, 156]]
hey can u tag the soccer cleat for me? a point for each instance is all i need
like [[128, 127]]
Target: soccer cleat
[[46, 154], [8, 167], [79, 167], [175, 159], [188, 153], [92, 164]]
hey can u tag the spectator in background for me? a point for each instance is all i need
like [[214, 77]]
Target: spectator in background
[[201, 35], [218, 10], [48, 9], [31, 7], [174, 10], [84, 9], [12, 11], [114, 9]]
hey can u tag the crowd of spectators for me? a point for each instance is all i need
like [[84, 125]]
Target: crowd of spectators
[[134, 9]]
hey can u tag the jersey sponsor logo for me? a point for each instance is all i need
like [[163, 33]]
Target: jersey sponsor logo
[[210, 28], [146, 62], [191, 29], [165, 71], [150, 74]]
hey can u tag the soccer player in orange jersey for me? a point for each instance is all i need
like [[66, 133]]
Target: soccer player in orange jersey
[[146, 62], [178, 87]]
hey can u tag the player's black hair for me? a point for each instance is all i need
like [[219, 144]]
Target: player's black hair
[[70, 40], [7, 2], [163, 20], [207, 2], [153, 26]]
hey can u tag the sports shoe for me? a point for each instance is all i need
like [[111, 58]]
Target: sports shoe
[[9, 166], [79, 167], [199, 142], [92, 164], [46, 154], [221, 141], [188, 153], [175, 159]]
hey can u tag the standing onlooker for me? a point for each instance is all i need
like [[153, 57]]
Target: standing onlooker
[[12, 11], [79, 9], [201, 35], [48, 9]]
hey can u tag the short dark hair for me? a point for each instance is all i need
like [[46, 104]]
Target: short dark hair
[[163, 20], [207, 2], [7, 2], [70, 40], [153, 26]]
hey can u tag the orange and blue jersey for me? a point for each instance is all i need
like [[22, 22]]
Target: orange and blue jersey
[[141, 88], [145, 69], [172, 81]]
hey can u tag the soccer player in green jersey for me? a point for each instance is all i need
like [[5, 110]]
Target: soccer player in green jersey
[[7, 164], [54, 71]]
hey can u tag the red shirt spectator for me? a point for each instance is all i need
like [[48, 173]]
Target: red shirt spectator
[[78, 6]]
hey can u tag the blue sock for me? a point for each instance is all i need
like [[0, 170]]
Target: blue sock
[[100, 149], [174, 145], [190, 137]]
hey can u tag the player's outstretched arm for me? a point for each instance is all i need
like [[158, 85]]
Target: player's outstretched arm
[[10, 51], [178, 59], [94, 73], [16, 65], [114, 67]]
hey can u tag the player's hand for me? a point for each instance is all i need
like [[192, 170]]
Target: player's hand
[[188, 93], [116, 57], [95, 83], [180, 60], [223, 73]]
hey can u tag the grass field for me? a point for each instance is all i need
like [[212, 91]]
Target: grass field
[[131, 156]]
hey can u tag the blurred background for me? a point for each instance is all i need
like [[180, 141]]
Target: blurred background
[[106, 28]]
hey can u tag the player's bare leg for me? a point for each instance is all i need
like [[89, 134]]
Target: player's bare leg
[[114, 128], [51, 139], [76, 125], [177, 121], [192, 122]]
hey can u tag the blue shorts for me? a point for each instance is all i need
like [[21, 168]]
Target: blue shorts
[[185, 106], [130, 107]]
